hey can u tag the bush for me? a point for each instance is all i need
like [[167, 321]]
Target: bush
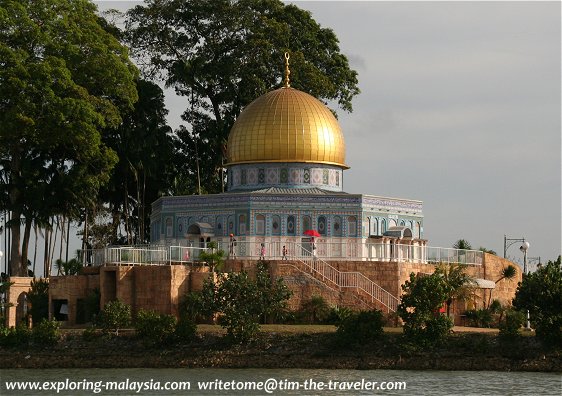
[[46, 332], [338, 314], [14, 337], [114, 316], [479, 317], [38, 296], [510, 325], [155, 327], [185, 330], [90, 334], [360, 328]]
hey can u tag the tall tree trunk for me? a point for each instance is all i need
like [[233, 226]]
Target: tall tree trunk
[[25, 244], [35, 250], [46, 255], [67, 238], [61, 224], [53, 244], [16, 268]]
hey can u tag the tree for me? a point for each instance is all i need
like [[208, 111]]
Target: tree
[[143, 144], [489, 251], [63, 78], [457, 283], [214, 258], [508, 273], [540, 293], [419, 308], [462, 244], [114, 316], [240, 301], [221, 55], [273, 294], [38, 296]]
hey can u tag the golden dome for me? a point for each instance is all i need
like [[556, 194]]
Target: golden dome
[[286, 125]]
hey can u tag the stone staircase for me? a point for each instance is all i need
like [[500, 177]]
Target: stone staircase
[[357, 283]]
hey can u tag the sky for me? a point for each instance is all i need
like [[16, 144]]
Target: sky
[[460, 107]]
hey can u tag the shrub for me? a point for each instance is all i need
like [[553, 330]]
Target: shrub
[[114, 316], [155, 327], [419, 309], [90, 334], [338, 314], [360, 328], [14, 337], [315, 310], [510, 325], [185, 330], [39, 298], [479, 317], [46, 332]]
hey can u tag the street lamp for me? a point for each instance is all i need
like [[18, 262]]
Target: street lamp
[[507, 242], [524, 247]]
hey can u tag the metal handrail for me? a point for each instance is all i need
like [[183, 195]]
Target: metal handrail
[[349, 280]]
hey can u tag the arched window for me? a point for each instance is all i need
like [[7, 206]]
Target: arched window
[[306, 224], [322, 225], [352, 226], [179, 221], [402, 223], [375, 226], [230, 223], [291, 225], [242, 224], [417, 230], [276, 225], [260, 224], [219, 226], [392, 223], [169, 227], [383, 226], [337, 226]]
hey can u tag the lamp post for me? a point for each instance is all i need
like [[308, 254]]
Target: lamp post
[[524, 247], [507, 242]]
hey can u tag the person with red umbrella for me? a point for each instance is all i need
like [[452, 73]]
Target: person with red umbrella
[[312, 234]]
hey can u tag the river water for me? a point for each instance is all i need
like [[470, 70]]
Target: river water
[[278, 382]]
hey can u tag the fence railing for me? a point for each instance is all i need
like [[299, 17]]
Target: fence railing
[[342, 279], [277, 250]]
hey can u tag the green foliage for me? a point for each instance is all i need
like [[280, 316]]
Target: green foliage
[[273, 296], [213, 257], [510, 325], [462, 244], [241, 301], [90, 333], [489, 251], [419, 308], [455, 280], [541, 294], [71, 267], [315, 310], [46, 332], [67, 77], [479, 317], [38, 296], [191, 307], [18, 336], [338, 314], [4, 304], [114, 316], [185, 329], [224, 54], [155, 327], [360, 328], [143, 173]]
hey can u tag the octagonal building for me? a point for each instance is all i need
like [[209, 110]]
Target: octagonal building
[[286, 158]]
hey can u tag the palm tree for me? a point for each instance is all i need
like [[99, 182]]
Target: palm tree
[[462, 244], [508, 273], [458, 284]]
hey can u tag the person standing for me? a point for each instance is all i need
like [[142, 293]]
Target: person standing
[[284, 252], [262, 251], [232, 246]]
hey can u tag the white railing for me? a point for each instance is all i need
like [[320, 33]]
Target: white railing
[[348, 280], [327, 251]]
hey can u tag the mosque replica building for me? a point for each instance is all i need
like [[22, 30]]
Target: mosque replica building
[[285, 174], [286, 204]]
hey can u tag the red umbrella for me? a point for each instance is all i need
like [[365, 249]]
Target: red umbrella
[[312, 233]]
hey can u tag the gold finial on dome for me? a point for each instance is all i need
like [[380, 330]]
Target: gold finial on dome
[[287, 71]]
